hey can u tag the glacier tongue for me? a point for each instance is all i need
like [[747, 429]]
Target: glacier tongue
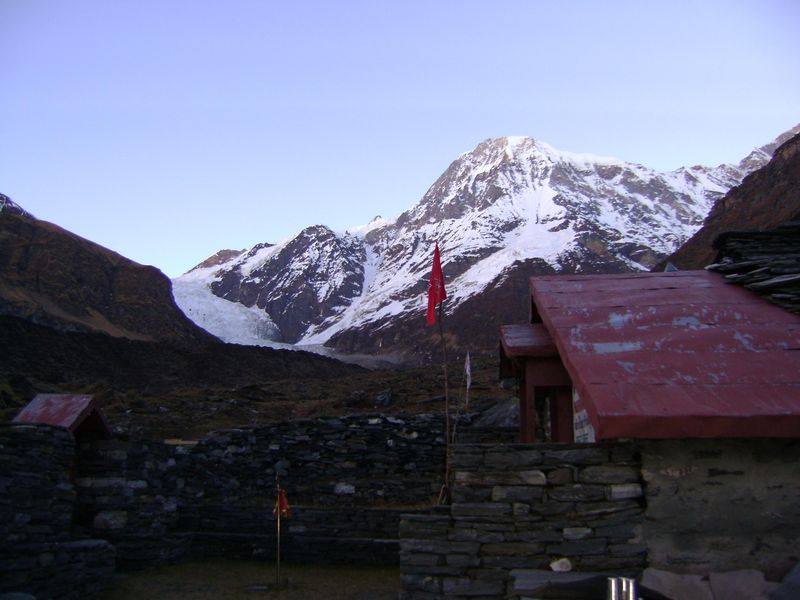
[[230, 321]]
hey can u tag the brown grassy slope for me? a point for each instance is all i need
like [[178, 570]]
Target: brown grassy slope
[[765, 199], [51, 276]]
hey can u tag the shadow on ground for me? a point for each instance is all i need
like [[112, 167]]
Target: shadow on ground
[[233, 580]]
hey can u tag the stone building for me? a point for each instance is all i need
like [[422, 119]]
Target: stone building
[[659, 427], [80, 414], [653, 356]]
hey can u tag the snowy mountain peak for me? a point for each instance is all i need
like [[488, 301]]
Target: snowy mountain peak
[[218, 259], [9, 206], [760, 156], [510, 207]]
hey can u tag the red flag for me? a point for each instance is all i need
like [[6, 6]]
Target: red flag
[[281, 504], [436, 291]]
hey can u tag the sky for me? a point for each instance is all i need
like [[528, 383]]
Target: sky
[[169, 130]]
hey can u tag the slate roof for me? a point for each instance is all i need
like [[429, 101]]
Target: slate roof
[[766, 262]]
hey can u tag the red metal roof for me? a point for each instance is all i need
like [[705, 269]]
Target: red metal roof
[[64, 410], [675, 355]]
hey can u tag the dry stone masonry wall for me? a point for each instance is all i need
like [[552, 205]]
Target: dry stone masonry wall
[[129, 492], [521, 507], [348, 479], [39, 554], [722, 505], [689, 506]]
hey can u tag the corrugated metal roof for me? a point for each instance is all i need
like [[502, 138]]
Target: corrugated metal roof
[[675, 355], [62, 410]]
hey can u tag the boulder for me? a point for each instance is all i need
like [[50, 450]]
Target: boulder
[[677, 586], [789, 589], [745, 584]]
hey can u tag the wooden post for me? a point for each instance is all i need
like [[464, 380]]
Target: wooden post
[[444, 496], [444, 367], [467, 380], [561, 425], [527, 419], [446, 407]]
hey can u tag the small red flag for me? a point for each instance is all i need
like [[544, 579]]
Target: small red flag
[[281, 504], [436, 291]]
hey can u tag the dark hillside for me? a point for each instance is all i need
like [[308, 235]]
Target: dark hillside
[[53, 277], [77, 317]]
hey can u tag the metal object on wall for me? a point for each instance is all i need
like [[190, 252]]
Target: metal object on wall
[[622, 588]]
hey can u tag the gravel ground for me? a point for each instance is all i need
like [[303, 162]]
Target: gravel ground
[[221, 579]]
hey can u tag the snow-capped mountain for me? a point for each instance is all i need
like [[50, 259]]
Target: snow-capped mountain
[[8, 205], [510, 208]]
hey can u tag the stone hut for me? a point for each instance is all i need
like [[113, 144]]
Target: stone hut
[[653, 356], [659, 427], [77, 413]]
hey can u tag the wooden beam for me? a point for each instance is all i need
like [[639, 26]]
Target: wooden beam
[[561, 426], [527, 416], [546, 372]]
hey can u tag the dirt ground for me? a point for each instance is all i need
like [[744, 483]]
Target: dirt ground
[[234, 580]]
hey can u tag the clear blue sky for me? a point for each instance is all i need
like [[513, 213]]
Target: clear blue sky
[[167, 130]]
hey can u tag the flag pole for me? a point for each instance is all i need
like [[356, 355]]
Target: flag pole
[[444, 496], [467, 380], [278, 554], [278, 549]]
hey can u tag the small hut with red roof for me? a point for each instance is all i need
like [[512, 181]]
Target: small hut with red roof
[[78, 413]]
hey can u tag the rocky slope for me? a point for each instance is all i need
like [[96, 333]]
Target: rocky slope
[[509, 209], [122, 370], [766, 198]]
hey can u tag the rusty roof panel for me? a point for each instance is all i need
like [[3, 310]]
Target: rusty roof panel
[[671, 355], [676, 315], [61, 410]]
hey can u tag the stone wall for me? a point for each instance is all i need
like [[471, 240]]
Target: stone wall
[[345, 477], [129, 493], [693, 505], [36, 494], [720, 505], [521, 507], [347, 461], [38, 552], [355, 535]]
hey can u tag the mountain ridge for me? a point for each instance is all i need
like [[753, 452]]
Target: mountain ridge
[[765, 199], [509, 206]]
